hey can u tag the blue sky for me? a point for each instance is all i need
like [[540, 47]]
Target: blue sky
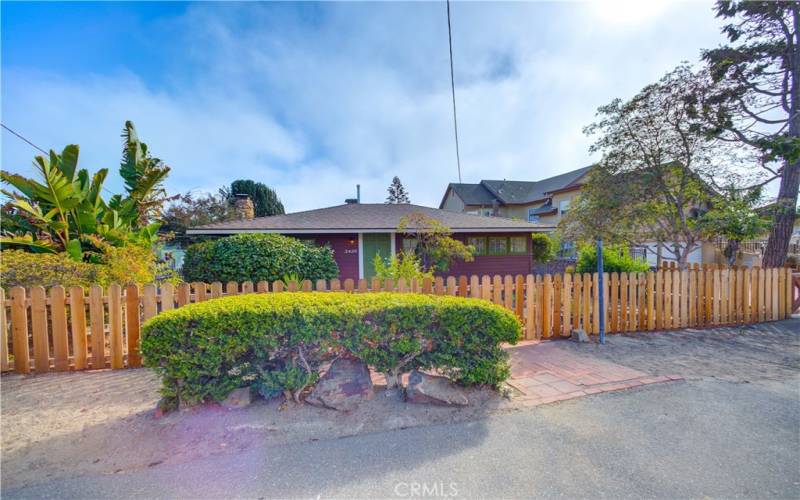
[[314, 98]]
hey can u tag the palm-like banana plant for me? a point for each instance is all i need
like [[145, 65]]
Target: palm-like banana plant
[[67, 211], [144, 177]]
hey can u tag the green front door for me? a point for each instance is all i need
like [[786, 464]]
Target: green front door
[[374, 244]]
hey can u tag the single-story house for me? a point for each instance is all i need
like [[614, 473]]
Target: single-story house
[[358, 231]]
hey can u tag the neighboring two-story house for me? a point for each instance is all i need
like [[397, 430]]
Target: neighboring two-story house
[[543, 201]]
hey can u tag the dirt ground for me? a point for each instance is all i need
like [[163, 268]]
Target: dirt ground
[[104, 422]]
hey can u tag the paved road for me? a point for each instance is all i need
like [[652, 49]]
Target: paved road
[[731, 430], [682, 439]]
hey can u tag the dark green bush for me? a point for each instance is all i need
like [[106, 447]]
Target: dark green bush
[[616, 259], [257, 257], [543, 247], [278, 341]]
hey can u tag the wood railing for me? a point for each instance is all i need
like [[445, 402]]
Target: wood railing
[[70, 330]]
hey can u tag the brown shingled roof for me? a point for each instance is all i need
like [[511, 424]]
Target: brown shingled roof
[[365, 217]]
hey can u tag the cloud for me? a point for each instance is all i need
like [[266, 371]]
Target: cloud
[[315, 99]]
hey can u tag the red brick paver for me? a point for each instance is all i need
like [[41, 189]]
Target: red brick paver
[[545, 372]]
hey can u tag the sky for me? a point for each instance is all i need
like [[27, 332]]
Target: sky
[[314, 98]]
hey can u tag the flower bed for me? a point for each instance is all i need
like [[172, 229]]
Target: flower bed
[[277, 342]]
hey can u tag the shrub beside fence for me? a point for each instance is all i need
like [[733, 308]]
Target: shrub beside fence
[[56, 330]]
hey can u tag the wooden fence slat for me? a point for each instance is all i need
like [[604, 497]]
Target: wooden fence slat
[[667, 299], [184, 294], [97, 319], [149, 301], [362, 285], [58, 320], [4, 366], [676, 302], [77, 312], [692, 298], [474, 287], [199, 291], [261, 287], [438, 285], [216, 288], [775, 288], [41, 341], [641, 305], [508, 292], [497, 290], [376, 284], [402, 287], [781, 296], [336, 285], [789, 293], [623, 303], [715, 300], [167, 297], [587, 302], [530, 327], [632, 301], [132, 315], [115, 324], [463, 286], [19, 330], [388, 285], [651, 302], [557, 291], [595, 303], [348, 285], [577, 294], [566, 304], [519, 296], [684, 297], [613, 323], [322, 285], [761, 295], [232, 288], [452, 287], [547, 307], [486, 288]]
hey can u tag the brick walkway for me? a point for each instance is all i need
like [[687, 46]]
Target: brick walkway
[[545, 372]]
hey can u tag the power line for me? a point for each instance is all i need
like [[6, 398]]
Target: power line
[[453, 89], [24, 139], [40, 149]]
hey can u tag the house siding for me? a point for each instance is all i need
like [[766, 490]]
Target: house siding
[[345, 251]]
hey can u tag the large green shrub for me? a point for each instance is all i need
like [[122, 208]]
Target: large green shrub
[[278, 341], [257, 257], [616, 259], [543, 247]]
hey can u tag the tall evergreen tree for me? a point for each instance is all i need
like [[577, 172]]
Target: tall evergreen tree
[[397, 193], [265, 199], [757, 102]]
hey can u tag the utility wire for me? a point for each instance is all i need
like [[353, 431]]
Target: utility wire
[[40, 149], [24, 139], [453, 89]]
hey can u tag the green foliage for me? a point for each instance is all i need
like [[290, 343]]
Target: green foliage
[[543, 247], [265, 199], [122, 265], [279, 341], [435, 247], [616, 259], [190, 210], [257, 257], [26, 269], [405, 265], [733, 216], [63, 211]]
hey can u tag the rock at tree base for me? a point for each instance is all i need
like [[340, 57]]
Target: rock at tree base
[[424, 388], [346, 384], [238, 398], [579, 335]]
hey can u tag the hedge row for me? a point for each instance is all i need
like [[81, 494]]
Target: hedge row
[[277, 342], [257, 257]]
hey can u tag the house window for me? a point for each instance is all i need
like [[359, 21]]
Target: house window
[[532, 217], [409, 245], [498, 246], [518, 245], [479, 244], [563, 206]]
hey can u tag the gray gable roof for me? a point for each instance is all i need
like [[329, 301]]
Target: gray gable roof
[[515, 192], [364, 217]]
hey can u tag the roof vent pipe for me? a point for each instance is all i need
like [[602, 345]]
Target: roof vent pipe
[[358, 193]]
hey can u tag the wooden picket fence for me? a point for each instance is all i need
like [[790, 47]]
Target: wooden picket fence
[[69, 330]]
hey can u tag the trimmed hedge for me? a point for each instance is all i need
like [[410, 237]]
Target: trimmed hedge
[[257, 257], [277, 342]]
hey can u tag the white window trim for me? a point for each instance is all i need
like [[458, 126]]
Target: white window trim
[[361, 256]]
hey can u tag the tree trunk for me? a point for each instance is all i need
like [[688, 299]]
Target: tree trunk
[[731, 251], [786, 205]]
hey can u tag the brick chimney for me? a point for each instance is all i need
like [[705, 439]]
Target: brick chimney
[[244, 207]]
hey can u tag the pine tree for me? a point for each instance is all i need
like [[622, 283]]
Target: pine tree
[[397, 193]]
